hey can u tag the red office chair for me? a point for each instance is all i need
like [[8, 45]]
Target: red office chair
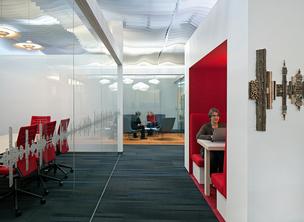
[[62, 145], [49, 153], [37, 120], [21, 171]]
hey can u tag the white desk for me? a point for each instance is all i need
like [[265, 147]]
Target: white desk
[[208, 147]]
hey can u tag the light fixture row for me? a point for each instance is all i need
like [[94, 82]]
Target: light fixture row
[[11, 33], [128, 81], [138, 86]]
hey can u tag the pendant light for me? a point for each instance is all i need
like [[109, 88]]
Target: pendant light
[[28, 45], [7, 32]]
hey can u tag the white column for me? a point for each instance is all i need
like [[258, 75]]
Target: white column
[[120, 109]]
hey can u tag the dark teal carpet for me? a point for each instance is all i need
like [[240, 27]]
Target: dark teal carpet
[[149, 183]]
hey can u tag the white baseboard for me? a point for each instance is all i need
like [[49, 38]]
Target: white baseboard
[[221, 203], [198, 173]]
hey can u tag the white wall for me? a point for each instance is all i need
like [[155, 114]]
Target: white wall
[[26, 90], [265, 169], [275, 157], [227, 20]]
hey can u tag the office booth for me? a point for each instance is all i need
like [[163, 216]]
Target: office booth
[[262, 182]]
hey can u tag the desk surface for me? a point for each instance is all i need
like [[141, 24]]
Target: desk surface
[[209, 145]]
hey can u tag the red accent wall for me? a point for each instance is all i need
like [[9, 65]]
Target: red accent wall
[[208, 85]]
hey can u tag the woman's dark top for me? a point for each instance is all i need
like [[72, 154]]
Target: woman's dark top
[[206, 131]]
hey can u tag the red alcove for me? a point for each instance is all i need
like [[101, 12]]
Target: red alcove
[[207, 88]]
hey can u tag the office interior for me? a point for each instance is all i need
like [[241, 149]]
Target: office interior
[[73, 74]]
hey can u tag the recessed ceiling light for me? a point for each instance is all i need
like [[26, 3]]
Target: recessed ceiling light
[[104, 81], [140, 86], [28, 45], [113, 87], [128, 81], [154, 81]]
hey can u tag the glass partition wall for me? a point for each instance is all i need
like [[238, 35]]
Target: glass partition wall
[[53, 65], [161, 94]]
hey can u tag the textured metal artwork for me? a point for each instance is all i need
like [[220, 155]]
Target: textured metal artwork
[[296, 90], [253, 90], [257, 90], [269, 90], [263, 90]]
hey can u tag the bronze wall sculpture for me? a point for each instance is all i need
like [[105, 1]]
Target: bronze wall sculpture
[[263, 90]]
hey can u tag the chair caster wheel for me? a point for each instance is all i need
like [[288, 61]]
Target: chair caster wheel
[[46, 192], [60, 183], [18, 213], [42, 201]]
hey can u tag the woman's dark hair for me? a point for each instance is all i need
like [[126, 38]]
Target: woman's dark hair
[[213, 110]]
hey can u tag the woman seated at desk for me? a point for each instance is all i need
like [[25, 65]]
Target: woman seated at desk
[[205, 133]]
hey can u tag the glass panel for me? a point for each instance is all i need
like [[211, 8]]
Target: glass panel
[[180, 103], [95, 104], [160, 94], [57, 72]]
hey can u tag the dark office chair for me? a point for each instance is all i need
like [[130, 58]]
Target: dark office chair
[[62, 146], [23, 170], [166, 125], [127, 126], [158, 118]]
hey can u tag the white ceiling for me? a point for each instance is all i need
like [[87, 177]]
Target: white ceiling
[[155, 31]]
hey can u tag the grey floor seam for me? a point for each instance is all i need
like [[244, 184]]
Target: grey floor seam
[[104, 189]]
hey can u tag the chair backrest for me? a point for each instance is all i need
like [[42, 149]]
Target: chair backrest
[[63, 146], [159, 117], [196, 121], [32, 161], [37, 120], [49, 153], [127, 124], [166, 124]]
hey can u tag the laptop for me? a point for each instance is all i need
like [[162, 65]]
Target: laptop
[[219, 135]]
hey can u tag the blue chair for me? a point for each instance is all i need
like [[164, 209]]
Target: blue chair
[[166, 125], [159, 117]]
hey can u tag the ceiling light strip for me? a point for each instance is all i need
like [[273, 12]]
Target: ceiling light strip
[[169, 29]]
